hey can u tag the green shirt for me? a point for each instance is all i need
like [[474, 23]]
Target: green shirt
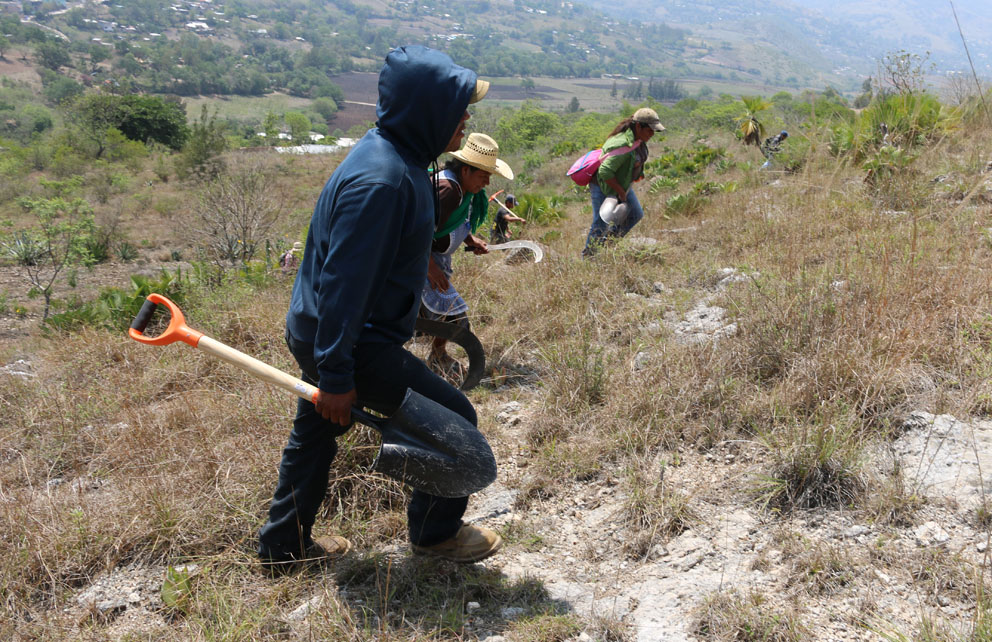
[[621, 166]]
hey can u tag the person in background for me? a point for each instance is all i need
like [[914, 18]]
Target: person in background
[[463, 209], [772, 146], [355, 303], [617, 174], [504, 216], [290, 260]]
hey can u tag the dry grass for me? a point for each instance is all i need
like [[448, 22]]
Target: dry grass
[[653, 513], [746, 618]]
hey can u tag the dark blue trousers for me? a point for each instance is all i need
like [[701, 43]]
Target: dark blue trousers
[[383, 372]]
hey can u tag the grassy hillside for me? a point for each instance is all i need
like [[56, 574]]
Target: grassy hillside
[[700, 430]]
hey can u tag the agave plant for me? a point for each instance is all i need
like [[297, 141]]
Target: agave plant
[[886, 162], [749, 128], [25, 250]]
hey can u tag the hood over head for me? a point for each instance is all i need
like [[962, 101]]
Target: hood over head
[[423, 95]]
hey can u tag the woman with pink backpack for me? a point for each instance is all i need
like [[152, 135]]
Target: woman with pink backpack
[[615, 208]]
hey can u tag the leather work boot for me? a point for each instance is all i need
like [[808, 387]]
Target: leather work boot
[[470, 544], [323, 549]]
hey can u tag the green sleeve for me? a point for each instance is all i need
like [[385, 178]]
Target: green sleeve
[[621, 166]]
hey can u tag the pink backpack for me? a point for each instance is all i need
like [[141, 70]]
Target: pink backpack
[[586, 167]]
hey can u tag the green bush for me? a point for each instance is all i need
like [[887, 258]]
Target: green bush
[[115, 308], [540, 210], [523, 129], [912, 120], [688, 204], [677, 163]]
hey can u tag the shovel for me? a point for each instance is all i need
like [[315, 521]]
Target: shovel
[[424, 444]]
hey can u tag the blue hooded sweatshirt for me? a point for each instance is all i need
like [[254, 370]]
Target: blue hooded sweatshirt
[[365, 261]]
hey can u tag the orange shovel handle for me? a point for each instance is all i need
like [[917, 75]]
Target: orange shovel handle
[[179, 331]]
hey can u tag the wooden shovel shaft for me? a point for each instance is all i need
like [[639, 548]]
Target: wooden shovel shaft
[[179, 331], [263, 371]]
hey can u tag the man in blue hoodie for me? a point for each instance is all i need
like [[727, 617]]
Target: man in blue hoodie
[[355, 302]]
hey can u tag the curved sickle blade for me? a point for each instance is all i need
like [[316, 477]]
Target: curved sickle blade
[[530, 245], [468, 341]]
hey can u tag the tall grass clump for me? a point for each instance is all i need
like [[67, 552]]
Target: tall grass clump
[[653, 512], [746, 617], [813, 466]]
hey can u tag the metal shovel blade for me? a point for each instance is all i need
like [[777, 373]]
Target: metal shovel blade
[[530, 245], [432, 448]]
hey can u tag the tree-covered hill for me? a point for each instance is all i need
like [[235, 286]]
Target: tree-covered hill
[[193, 47]]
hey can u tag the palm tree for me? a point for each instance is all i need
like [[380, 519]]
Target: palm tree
[[748, 126]]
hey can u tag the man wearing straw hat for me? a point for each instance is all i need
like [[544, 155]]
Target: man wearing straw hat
[[464, 206], [355, 302]]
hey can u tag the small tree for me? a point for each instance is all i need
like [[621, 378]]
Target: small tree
[[52, 55], [98, 53], [573, 105], [749, 128], [206, 142], [299, 126], [152, 118], [271, 127], [326, 107], [4, 45], [59, 89], [864, 99], [92, 116], [55, 245], [903, 72], [236, 211]]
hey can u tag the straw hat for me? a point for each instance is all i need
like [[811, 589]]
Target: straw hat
[[482, 152], [480, 91]]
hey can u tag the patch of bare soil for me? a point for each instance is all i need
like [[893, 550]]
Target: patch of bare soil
[[510, 92], [16, 68], [23, 314], [359, 86]]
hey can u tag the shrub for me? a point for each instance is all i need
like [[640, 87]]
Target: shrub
[[678, 163], [126, 252], [236, 211], [688, 204], [540, 210], [523, 129], [56, 244], [114, 308], [201, 155], [911, 120]]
